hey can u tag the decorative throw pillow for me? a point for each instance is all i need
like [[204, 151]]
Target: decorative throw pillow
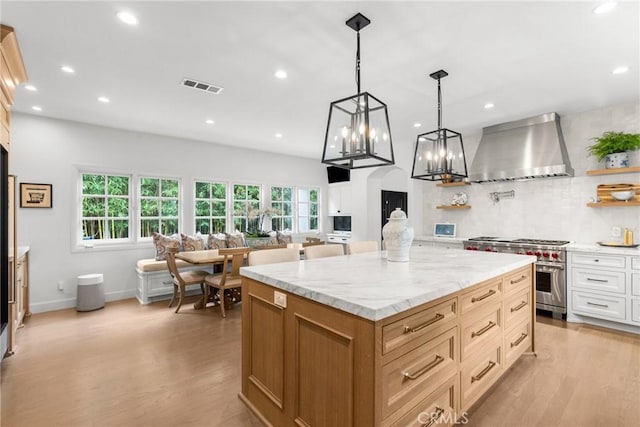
[[191, 243], [161, 242], [235, 240], [217, 241], [284, 238]]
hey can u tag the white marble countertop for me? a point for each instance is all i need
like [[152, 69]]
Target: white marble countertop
[[369, 286], [21, 251], [592, 247]]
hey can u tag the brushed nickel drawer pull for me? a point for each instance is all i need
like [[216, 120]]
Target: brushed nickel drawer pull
[[483, 330], [597, 305], [438, 360], [484, 372], [434, 417], [170, 282], [436, 318], [519, 306], [513, 282], [597, 280], [519, 340], [480, 298]]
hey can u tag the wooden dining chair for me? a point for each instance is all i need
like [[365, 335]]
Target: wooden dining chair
[[273, 256], [362, 247], [230, 277], [321, 251], [181, 280]]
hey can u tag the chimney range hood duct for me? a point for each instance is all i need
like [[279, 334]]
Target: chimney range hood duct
[[523, 149]]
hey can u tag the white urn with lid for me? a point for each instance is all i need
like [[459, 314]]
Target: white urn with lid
[[397, 236]]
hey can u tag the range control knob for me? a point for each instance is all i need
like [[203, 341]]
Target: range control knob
[[545, 254], [520, 252], [529, 253], [538, 253], [487, 249], [469, 248], [554, 255]]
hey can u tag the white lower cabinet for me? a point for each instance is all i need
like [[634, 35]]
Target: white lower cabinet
[[604, 289], [439, 244]]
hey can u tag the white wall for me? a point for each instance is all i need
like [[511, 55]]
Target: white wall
[[549, 208], [49, 151]]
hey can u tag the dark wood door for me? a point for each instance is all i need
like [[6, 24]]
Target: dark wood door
[[390, 201]]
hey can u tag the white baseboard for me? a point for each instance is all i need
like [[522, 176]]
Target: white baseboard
[[61, 304]]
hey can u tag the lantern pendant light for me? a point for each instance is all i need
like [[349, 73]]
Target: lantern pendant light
[[358, 133], [439, 154]]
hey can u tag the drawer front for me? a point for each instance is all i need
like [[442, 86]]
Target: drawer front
[[635, 284], [479, 373], [635, 263], [482, 296], [518, 280], [415, 329], [480, 329], [635, 309], [517, 341], [599, 280], [410, 378], [439, 409], [606, 307], [597, 260], [517, 308]]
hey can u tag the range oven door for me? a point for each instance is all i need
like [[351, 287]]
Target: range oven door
[[551, 289]]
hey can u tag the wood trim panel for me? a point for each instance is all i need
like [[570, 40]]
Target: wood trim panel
[[12, 69]]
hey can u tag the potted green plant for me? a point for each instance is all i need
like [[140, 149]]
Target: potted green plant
[[614, 148]]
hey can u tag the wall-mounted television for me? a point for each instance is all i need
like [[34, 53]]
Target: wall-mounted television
[[336, 174], [341, 223]]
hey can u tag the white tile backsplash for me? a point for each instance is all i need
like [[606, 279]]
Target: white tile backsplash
[[547, 208]]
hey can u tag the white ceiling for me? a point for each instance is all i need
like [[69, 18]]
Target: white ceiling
[[525, 57]]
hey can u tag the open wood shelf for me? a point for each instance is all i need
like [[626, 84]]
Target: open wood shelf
[[453, 207], [453, 184], [613, 171], [606, 204]]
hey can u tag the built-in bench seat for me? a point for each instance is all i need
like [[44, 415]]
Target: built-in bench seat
[[154, 280]]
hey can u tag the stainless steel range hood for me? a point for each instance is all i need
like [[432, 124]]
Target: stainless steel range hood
[[523, 149]]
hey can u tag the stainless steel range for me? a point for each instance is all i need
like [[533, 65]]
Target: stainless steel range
[[551, 287]]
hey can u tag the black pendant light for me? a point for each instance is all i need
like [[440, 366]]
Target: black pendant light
[[439, 154], [358, 133]]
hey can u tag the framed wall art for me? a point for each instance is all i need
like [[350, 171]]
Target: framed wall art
[[35, 195]]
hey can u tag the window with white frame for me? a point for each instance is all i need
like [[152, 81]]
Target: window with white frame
[[211, 207], [159, 206], [282, 206], [106, 203], [246, 207], [308, 208]]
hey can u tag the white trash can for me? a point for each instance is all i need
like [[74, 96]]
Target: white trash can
[[90, 292]]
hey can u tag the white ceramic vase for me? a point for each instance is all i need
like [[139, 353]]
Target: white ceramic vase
[[397, 236], [617, 160]]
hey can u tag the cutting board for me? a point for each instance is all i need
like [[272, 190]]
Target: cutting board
[[604, 191]]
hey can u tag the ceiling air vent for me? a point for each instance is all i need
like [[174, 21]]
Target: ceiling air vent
[[195, 84]]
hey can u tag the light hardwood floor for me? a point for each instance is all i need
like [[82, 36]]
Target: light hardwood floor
[[133, 365]]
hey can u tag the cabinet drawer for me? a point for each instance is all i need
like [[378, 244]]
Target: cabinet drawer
[[517, 308], [606, 307], [480, 329], [598, 260], [635, 284], [438, 409], [479, 373], [517, 341], [598, 280], [410, 378], [635, 309], [481, 296], [635, 263], [517, 280], [415, 328]]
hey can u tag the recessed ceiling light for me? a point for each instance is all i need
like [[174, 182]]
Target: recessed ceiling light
[[417, 125], [605, 7], [278, 135], [281, 74], [620, 70], [36, 108], [104, 99], [209, 121], [489, 105], [67, 69], [32, 88], [128, 18]]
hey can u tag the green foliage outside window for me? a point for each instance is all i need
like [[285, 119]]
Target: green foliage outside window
[[159, 206], [210, 207], [105, 206], [246, 198]]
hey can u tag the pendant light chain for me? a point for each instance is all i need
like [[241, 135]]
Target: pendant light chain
[[358, 61], [439, 106]]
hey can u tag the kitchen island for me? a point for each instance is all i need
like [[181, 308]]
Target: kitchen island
[[357, 340]]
